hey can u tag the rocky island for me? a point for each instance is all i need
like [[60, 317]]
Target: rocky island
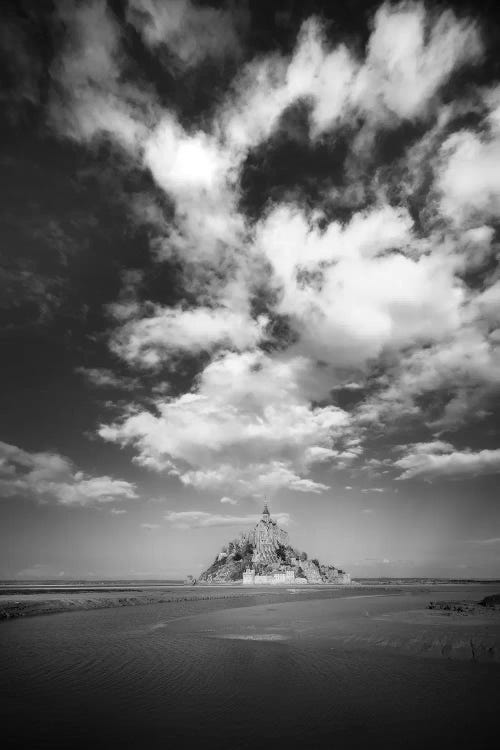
[[264, 556]]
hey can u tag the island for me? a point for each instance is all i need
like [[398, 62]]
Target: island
[[264, 556]]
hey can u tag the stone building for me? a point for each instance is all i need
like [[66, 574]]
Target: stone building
[[279, 576], [267, 537]]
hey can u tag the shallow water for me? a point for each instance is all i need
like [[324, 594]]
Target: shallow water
[[274, 675]]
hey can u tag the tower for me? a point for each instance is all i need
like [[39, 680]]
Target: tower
[[268, 537]]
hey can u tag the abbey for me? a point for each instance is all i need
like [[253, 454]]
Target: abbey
[[267, 538], [264, 556]]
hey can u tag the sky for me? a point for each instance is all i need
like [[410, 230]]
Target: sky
[[249, 252]]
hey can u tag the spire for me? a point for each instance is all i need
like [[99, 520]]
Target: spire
[[265, 513]]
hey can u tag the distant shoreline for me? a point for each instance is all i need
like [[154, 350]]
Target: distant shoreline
[[142, 583]]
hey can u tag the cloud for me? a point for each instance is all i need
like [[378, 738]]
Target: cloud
[[248, 427], [199, 174], [117, 511], [199, 168], [202, 519], [150, 526], [440, 459], [191, 33], [51, 477], [252, 478], [148, 341], [267, 86], [104, 378], [228, 501], [337, 285], [411, 54], [368, 293], [467, 180], [88, 96]]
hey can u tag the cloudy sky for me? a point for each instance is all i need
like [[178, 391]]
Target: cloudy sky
[[249, 251]]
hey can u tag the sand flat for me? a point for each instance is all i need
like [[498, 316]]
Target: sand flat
[[321, 669], [389, 618], [371, 621], [29, 601], [44, 600]]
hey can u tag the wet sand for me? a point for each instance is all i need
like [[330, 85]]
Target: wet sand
[[45, 600], [306, 668], [397, 623], [394, 623], [396, 619]]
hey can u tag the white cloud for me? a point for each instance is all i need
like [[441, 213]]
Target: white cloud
[[182, 162], [51, 477], [228, 501], [190, 32], [199, 173], [150, 526], [201, 519], [323, 77], [353, 290], [248, 426], [464, 365], [148, 340], [468, 179], [372, 302], [439, 459], [252, 478], [411, 54], [90, 98], [117, 511], [267, 86]]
